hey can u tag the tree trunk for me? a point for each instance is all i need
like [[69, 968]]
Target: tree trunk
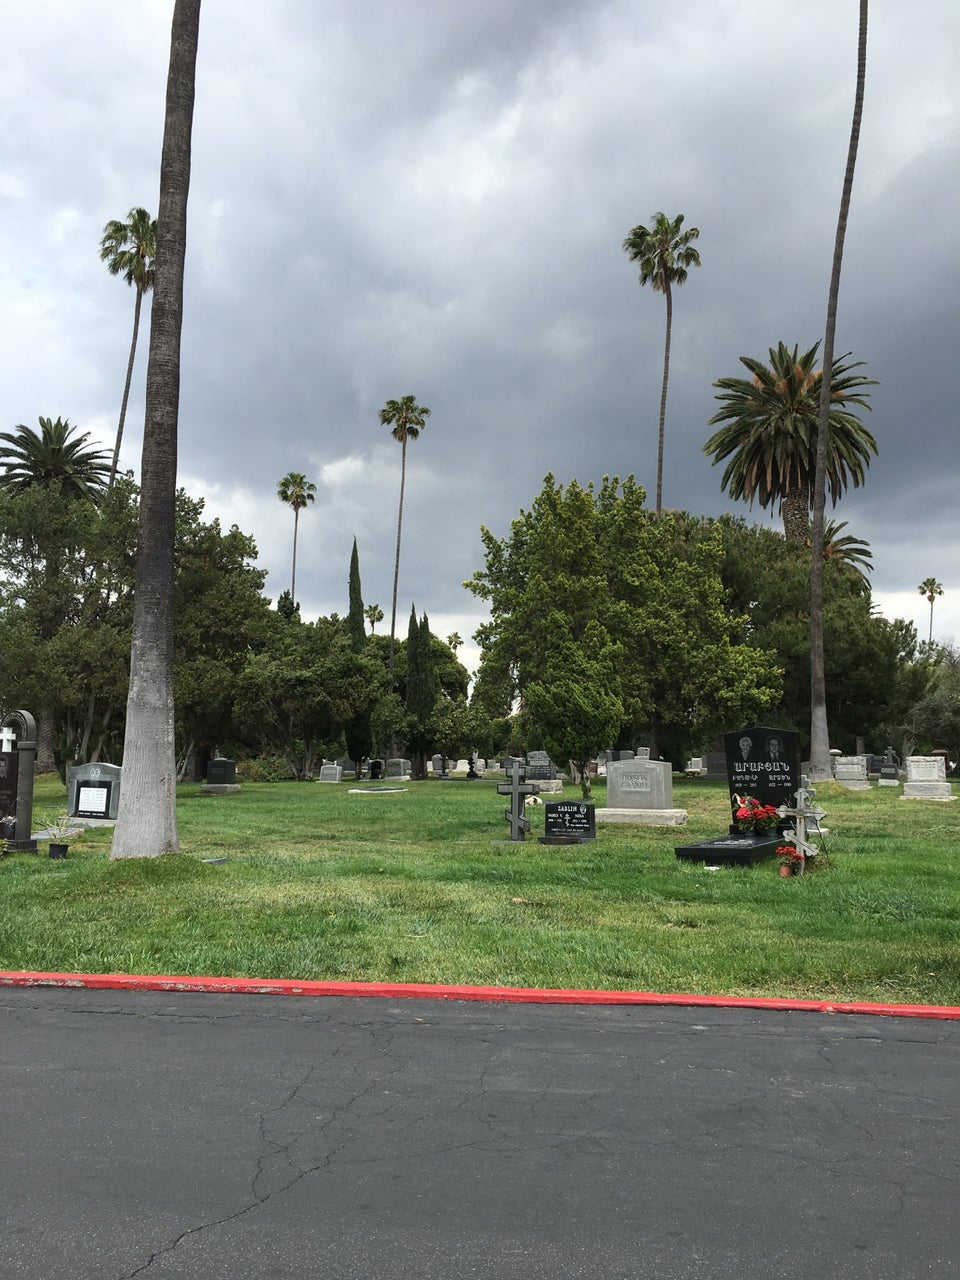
[[819, 733], [663, 396], [147, 818], [795, 510], [293, 576], [46, 761], [396, 567], [126, 387]]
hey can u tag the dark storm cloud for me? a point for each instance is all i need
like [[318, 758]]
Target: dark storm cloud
[[431, 198]]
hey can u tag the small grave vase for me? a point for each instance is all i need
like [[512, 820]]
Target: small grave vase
[[786, 869], [58, 850]]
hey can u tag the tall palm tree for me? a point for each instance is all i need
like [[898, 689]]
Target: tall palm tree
[[53, 458], [407, 418], [147, 818], [296, 491], [819, 732], [129, 248], [373, 614], [931, 588], [665, 253], [770, 434]]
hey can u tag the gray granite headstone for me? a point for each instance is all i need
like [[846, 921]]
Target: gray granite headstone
[[398, 768], [539, 766], [94, 791], [639, 784], [851, 772], [331, 773]]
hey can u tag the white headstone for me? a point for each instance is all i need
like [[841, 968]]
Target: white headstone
[[926, 779], [331, 773]]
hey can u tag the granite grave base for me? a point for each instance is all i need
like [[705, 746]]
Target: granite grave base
[[739, 850]]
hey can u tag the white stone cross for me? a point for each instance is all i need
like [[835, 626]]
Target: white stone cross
[[8, 739]]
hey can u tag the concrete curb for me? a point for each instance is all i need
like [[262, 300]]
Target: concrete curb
[[440, 991]]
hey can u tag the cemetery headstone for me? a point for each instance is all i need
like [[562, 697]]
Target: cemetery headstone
[[851, 772], [376, 770], [620, 755], [221, 779], [398, 769], [763, 763], [889, 775], [641, 791], [568, 822], [24, 738], [331, 773], [715, 763], [927, 779], [540, 768], [93, 791]]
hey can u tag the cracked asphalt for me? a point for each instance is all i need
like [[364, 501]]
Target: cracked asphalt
[[225, 1137]]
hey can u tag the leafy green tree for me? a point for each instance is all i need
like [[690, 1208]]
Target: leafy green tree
[[355, 623], [358, 734], [608, 566], [296, 491], [53, 458], [421, 692], [770, 433], [930, 588], [299, 692], [575, 705], [665, 254], [128, 248], [874, 669], [935, 716], [147, 818], [407, 418], [819, 732]]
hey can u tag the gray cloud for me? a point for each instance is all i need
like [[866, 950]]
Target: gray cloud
[[430, 198]]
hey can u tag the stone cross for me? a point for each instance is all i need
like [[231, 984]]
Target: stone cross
[[517, 790], [804, 811], [8, 739]]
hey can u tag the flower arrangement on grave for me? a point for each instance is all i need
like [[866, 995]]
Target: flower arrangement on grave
[[790, 856], [754, 816]]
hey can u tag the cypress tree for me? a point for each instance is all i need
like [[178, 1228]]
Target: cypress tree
[[355, 616]]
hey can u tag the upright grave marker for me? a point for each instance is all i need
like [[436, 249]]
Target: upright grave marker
[[94, 791], [517, 789], [568, 822], [927, 779], [762, 763], [26, 758]]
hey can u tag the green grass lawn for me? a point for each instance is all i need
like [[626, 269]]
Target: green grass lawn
[[413, 887]]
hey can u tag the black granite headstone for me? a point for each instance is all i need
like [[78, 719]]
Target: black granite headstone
[[221, 773], [763, 763], [566, 821], [9, 763]]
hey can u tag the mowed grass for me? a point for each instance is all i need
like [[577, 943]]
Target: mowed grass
[[413, 887]]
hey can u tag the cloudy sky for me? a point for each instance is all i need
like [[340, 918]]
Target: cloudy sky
[[430, 197]]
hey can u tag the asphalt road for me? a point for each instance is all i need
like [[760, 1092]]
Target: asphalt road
[[224, 1137]]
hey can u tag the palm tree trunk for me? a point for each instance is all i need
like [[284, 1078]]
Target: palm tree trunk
[[819, 732], [126, 387], [147, 818], [663, 395], [396, 567], [795, 509], [293, 576]]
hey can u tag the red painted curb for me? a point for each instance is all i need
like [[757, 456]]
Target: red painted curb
[[441, 991]]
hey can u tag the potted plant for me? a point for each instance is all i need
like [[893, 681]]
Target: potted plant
[[59, 833], [791, 860], [754, 816]]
